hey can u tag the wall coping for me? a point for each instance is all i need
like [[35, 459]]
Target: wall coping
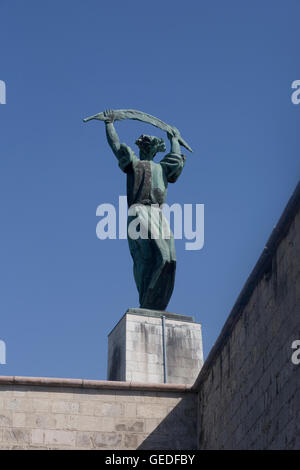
[[94, 384], [262, 268]]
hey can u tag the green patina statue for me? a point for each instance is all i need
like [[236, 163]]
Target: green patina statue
[[153, 253]]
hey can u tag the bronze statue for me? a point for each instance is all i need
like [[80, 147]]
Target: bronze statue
[[154, 258]]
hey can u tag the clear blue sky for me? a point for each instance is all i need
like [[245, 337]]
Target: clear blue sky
[[220, 71]]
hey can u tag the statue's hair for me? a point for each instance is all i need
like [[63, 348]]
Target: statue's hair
[[145, 142]]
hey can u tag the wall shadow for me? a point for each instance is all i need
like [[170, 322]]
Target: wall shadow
[[178, 431]]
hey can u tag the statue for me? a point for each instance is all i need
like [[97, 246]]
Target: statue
[[153, 254]]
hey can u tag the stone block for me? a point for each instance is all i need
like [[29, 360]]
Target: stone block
[[104, 440], [60, 437], [16, 436], [69, 407], [18, 420], [136, 348]]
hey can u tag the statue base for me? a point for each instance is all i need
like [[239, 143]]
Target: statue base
[[154, 346]]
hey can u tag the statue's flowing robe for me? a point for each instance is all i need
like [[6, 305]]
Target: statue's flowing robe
[[153, 253]]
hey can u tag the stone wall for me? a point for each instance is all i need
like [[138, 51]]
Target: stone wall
[[249, 389], [75, 414]]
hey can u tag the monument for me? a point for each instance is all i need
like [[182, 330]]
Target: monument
[[136, 351]]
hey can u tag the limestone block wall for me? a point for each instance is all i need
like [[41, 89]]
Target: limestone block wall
[[38, 413], [249, 389]]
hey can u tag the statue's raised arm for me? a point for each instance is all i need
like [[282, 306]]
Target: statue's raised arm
[[111, 134], [173, 137]]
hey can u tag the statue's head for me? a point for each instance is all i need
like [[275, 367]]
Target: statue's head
[[149, 145]]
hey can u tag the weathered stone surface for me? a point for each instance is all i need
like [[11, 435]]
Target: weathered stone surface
[[249, 389], [136, 348], [83, 418]]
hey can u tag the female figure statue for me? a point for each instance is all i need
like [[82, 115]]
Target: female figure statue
[[153, 253]]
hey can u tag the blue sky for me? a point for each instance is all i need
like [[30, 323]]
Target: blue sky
[[219, 71]]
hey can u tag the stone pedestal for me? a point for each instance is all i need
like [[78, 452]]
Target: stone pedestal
[[136, 348]]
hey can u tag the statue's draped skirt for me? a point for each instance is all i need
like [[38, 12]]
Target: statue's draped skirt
[[154, 258], [153, 253]]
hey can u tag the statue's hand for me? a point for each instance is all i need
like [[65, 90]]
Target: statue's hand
[[174, 133], [109, 116]]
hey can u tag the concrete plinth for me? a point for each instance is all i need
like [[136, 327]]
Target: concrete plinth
[[135, 348]]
